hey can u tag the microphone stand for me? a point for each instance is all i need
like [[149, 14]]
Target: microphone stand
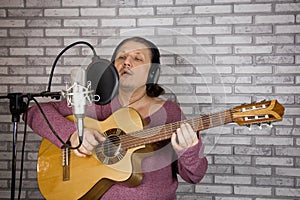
[[17, 106]]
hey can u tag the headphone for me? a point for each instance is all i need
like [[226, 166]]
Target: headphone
[[154, 73]]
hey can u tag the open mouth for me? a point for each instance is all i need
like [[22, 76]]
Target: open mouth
[[126, 72]]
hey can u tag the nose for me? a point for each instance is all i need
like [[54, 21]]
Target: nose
[[127, 63]]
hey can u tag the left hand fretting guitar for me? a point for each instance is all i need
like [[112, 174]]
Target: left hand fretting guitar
[[117, 160]]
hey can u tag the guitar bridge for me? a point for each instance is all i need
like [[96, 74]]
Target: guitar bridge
[[66, 164]]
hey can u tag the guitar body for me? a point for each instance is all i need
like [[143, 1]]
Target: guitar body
[[89, 177]]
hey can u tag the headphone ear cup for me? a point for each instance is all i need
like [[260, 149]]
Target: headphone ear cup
[[154, 73]]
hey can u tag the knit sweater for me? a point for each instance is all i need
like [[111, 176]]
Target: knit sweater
[[159, 174]]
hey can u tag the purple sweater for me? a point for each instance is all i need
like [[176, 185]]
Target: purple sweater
[[159, 181]]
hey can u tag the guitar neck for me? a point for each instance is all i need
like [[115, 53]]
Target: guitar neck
[[164, 132]]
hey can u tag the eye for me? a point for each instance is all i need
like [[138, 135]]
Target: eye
[[138, 59], [121, 57]]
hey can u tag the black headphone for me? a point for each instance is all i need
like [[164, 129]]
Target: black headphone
[[154, 73]]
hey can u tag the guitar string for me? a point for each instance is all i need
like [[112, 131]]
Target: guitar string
[[166, 128], [131, 141]]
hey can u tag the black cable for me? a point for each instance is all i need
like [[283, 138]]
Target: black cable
[[60, 54], [65, 145]]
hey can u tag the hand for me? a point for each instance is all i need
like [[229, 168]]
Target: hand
[[184, 137], [91, 139]]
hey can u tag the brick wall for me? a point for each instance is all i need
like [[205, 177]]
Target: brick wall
[[216, 54]]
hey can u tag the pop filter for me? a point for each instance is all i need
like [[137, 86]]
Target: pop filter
[[104, 79]]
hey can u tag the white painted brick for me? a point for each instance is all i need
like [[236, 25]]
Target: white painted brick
[[274, 80], [274, 59], [288, 49], [274, 19], [274, 141], [257, 29], [98, 11], [212, 9], [45, 4], [193, 80], [216, 30], [274, 181], [199, 60], [141, 32], [26, 32], [197, 20], [231, 79], [136, 11], [253, 49], [240, 180], [55, 51], [287, 69], [12, 42], [43, 80], [117, 3], [274, 161], [263, 151], [292, 172], [193, 40], [276, 39], [118, 22], [291, 192], [214, 70], [26, 51], [44, 23], [287, 89], [233, 160], [231, 99], [61, 12], [253, 89], [12, 3], [253, 170], [25, 70], [219, 150], [44, 42], [81, 22], [13, 80], [12, 23], [12, 61], [233, 20], [154, 2], [287, 7], [176, 50], [288, 151], [3, 33], [246, 69], [25, 12], [252, 8], [174, 10], [2, 13], [213, 189], [290, 29], [155, 21], [213, 89], [62, 32], [213, 50], [175, 31], [232, 197], [233, 60], [233, 39], [73, 3], [192, 2], [194, 99], [250, 190], [234, 140]]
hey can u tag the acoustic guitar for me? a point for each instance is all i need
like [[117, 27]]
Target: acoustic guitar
[[62, 175]]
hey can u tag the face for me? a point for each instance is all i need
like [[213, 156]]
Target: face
[[133, 61]]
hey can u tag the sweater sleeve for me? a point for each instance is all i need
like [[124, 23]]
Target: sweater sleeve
[[192, 164], [55, 113]]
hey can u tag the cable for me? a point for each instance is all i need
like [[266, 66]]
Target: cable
[[65, 145], [60, 54]]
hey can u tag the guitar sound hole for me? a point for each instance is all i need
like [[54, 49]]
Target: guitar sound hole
[[111, 146], [110, 151]]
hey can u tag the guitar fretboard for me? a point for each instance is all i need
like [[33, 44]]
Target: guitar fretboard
[[164, 132]]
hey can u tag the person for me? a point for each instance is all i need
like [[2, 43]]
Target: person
[[133, 58]]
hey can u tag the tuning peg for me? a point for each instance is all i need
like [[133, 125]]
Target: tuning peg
[[259, 126], [249, 126], [264, 100], [269, 124]]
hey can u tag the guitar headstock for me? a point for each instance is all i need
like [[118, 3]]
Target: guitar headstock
[[258, 113]]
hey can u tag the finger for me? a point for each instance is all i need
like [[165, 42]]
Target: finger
[[174, 142], [189, 134], [99, 136], [180, 137], [77, 153]]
